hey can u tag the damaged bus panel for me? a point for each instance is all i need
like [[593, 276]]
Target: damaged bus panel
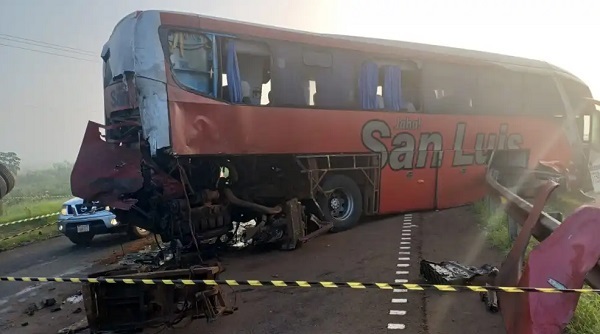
[[211, 124]]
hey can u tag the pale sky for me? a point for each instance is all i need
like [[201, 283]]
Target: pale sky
[[46, 100]]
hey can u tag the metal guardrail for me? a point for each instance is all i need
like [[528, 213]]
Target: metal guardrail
[[519, 208]]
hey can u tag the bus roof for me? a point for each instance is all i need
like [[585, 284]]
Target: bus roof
[[361, 43]]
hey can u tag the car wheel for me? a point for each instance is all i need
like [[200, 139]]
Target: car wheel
[[82, 239], [342, 202], [136, 232]]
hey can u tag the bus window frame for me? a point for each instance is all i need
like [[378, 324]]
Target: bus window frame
[[163, 33]]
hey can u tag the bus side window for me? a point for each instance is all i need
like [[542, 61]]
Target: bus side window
[[578, 96], [400, 87], [253, 59], [191, 57], [330, 74], [411, 89], [541, 96], [499, 91], [289, 86], [449, 88]]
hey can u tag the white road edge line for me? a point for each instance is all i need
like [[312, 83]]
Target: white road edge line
[[399, 300], [405, 236]]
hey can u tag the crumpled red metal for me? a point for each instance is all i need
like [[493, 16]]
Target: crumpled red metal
[[105, 171], [561, 261]]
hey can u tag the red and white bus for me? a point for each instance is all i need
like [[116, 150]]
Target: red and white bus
[[348, 126]]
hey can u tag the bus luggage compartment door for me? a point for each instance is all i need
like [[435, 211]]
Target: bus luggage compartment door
[[459, 184], [407, 190]]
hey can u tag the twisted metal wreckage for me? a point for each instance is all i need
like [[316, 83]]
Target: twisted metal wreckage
[[567, 257], [194, 226]]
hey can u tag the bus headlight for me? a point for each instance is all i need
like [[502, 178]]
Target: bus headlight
[[114, 222], [107, 208]]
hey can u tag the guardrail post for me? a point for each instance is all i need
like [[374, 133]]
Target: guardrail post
[[513, 228], [491, 203]]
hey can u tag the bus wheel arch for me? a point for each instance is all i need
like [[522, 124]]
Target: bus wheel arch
[[341, 201]]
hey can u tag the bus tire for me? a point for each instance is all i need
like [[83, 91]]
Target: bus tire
[[8, 177], [342, 202], [3, 188], [135, 232]]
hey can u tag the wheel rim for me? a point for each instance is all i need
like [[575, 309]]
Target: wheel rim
[[341, 204], [141, 230]]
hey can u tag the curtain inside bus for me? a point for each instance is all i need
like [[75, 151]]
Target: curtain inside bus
[[392, 88], [234, 84], [368, 82]]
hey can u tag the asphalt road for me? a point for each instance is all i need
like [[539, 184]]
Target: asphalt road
[[50, 258], [387, 250], [383, 250], [376, 251]]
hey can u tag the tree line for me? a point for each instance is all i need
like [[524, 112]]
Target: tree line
[[49, 181]]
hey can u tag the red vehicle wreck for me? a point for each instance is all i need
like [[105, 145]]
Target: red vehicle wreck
[[211, 121]]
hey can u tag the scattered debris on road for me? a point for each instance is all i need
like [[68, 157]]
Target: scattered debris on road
[[76, 298], [76, 327], [453, 273], [135, 307]]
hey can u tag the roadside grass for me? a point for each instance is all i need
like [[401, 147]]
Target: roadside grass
[[28, 209], [586, 319]]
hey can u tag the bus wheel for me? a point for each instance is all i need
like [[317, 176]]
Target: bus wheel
[[8, 177], [341, 203], [135, 232]]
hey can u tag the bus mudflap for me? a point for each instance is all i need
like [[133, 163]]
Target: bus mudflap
[[106, 171]]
